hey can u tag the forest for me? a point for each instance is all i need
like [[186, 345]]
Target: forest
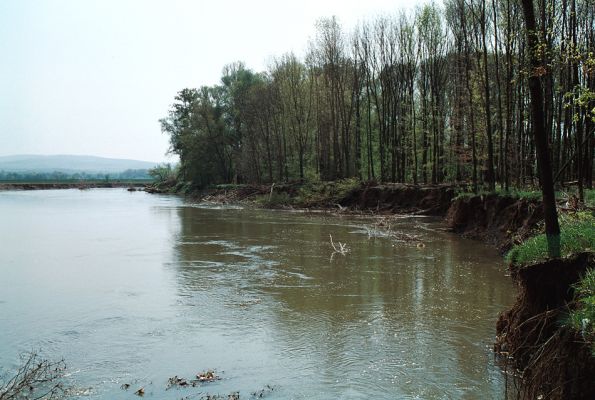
[[434, 95]]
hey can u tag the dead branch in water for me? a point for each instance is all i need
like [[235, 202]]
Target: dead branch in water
[[383, 228], [36, 379], [341, 248]]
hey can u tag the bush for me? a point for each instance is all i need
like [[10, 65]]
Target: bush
[[163, 173]]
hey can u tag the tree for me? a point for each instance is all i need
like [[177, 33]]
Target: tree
[[537, 69]]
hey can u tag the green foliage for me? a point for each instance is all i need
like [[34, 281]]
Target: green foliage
[[325, 193], [582, 319], [344, 187], [590, 197], [577, 235], [183, 187], [403, 99], [163, 173], [517, 194]]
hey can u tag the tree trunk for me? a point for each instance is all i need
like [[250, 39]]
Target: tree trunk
[[552, 228]]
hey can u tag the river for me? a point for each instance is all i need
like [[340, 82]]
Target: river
[[136, 288]]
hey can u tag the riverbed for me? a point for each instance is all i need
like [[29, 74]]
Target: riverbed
[[133, 288]]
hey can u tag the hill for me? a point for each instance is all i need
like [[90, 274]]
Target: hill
[[69, 164]]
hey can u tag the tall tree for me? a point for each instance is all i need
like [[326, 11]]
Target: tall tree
[[537, 70]]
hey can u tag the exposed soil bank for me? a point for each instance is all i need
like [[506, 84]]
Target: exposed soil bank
[[554, 362], [401, 198], [68, 185], [499, 220]]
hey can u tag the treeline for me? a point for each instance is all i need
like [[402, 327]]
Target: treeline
[[431, 96], [58, 176]]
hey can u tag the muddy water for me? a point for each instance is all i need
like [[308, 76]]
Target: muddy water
[[135, 288]]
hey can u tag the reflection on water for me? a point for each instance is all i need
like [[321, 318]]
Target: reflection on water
[[135, 288]]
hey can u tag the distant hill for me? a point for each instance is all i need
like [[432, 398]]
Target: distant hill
[[70, 164]]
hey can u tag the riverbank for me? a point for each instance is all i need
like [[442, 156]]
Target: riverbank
[[68, 185], [500, 220]]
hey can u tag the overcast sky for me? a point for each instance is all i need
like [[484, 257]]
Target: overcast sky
[[94, 76]]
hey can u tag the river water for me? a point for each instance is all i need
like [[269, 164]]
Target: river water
[[136, 288]]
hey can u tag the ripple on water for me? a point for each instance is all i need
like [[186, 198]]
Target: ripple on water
[[252, 293]]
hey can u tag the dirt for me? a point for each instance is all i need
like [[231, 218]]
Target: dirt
[[502, 221], [401, 198], [553, 361]]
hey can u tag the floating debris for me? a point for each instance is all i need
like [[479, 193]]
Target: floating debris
[[181, 382], [263, 392], [208, 376], [231, 396]]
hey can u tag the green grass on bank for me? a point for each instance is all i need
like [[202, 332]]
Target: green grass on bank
[[534, 195], [577, 235], [582, 319]]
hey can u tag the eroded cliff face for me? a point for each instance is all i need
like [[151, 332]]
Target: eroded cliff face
[[499, 220], [554, 362], [401, 198]]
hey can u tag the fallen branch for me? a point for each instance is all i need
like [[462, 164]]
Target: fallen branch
[[35, 379], [341, 248]]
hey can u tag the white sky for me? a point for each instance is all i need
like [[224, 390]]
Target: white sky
[[94, 76]]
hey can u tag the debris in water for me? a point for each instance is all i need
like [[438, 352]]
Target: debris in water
[[263, 392], [208, 376], [182, 382]]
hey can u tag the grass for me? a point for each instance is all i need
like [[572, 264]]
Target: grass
[[532, 194], [519, 194], [590, 197], [577, 235], [582, 319]]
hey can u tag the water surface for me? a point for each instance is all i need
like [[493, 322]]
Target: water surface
[[135, 288]]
